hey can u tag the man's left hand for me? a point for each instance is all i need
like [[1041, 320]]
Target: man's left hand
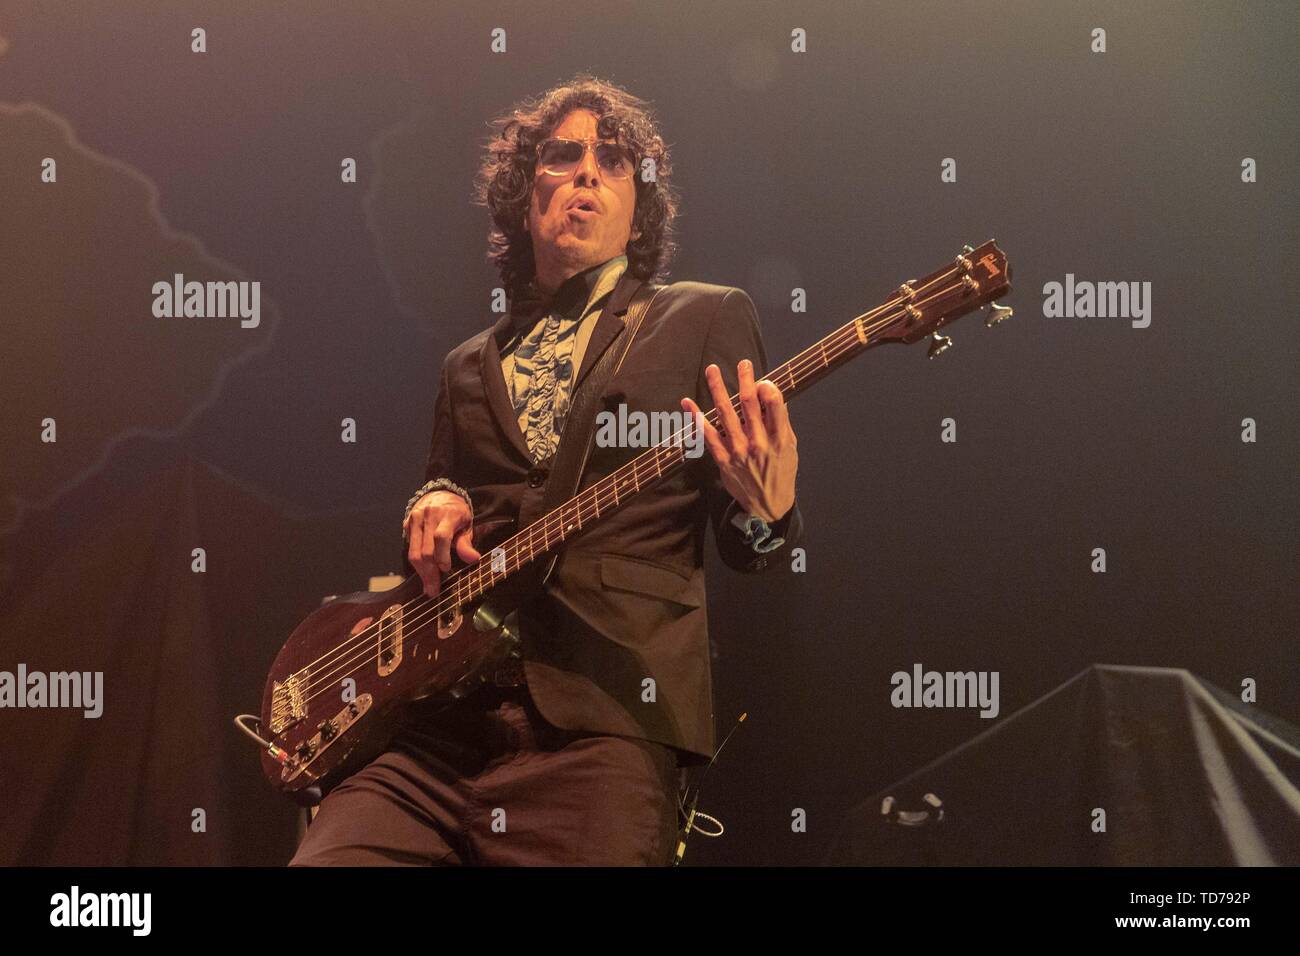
[[757, 459]]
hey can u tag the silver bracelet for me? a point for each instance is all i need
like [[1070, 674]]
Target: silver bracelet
[[438, 484]]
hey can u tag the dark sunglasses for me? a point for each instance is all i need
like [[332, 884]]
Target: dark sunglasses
[[560, 157]]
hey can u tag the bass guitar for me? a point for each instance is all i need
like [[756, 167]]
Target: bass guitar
[[335, 692]]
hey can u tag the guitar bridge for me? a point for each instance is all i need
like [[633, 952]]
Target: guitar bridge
[[288, 705]]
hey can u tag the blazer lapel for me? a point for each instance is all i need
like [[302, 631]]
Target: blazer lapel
[[609, 325], [494, 383]]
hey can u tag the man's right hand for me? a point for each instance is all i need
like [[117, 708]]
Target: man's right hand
[[438, 521]]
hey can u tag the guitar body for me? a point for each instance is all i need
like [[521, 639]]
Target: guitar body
[[336, 690]]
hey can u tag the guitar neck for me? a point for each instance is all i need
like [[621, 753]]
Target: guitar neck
[[917, 308]]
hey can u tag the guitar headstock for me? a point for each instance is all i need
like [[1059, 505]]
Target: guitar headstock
[[921, 307]]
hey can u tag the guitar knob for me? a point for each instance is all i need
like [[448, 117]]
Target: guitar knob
[[938, 344], [997, 313]]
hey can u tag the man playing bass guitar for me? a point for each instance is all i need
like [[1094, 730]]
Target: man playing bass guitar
[[573, 754]]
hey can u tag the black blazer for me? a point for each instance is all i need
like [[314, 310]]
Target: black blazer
[[619, 642]]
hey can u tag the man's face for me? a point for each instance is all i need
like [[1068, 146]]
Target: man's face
[[567, 241]]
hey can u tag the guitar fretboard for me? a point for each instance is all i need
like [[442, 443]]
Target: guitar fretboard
[[919, 306]]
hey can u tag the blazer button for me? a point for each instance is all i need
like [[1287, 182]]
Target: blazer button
[[536, 477]]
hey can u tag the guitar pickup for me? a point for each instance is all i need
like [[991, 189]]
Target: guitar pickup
[[389, 640]]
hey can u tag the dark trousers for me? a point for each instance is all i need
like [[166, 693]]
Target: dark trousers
[[489, 782]]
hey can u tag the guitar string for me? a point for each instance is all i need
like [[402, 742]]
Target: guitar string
[[471, 578], [659, 466], [454, 598]]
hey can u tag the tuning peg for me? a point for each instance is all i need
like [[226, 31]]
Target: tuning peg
[[939, 343], [967, 250], [998, 313]]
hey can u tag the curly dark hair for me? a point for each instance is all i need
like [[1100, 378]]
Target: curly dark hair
[[505, 178]]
